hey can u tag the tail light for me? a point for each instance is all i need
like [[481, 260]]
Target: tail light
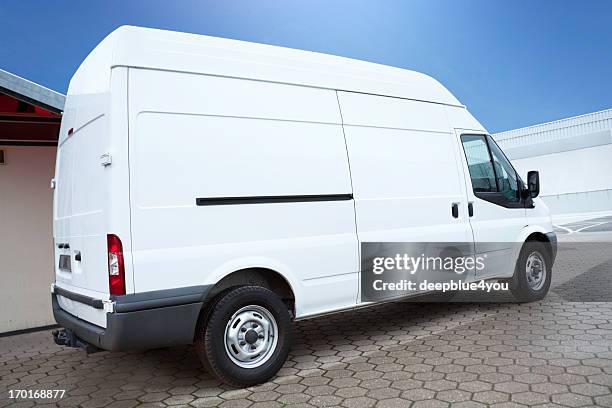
[[116, 266]]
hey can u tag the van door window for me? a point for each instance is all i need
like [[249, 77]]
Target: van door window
[[493, 177], [479, 163], [506, 176]]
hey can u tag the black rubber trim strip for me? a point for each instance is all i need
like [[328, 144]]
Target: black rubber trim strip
[[43, 143], [160, 298], [77, 297], [552, 238], [144, 300], [43, 120], [30, 330], [271, 199]]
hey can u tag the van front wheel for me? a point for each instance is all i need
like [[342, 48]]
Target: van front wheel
[[247, 336], [533, 272]]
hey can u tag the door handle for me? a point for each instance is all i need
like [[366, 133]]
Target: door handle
[[455, 210], [471, 209]]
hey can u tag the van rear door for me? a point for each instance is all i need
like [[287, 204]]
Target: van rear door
[[80, 210]]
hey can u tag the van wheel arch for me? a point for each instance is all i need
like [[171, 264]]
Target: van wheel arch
[[539, 237], [264, 277]]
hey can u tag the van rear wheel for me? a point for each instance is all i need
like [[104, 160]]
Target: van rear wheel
[[533, 272], [246, 337]]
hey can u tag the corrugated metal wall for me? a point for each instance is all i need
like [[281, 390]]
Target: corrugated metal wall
[[559, 129]]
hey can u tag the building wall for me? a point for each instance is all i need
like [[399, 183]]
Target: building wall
[[574, 181], [26, 237], [574, 158]]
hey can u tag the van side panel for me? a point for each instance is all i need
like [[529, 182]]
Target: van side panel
[[405, 169], [195, 136]]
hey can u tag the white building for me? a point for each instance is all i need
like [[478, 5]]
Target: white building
[[574, 158]]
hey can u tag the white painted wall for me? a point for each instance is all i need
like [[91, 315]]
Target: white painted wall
[[569, 172], [573, 181], [26, 239], [574, 158]]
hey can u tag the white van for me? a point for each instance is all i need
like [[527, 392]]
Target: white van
[[210, 191]]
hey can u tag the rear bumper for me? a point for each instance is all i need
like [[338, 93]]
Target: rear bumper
[[129, 328]]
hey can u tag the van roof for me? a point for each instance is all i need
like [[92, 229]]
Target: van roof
[[149, 48]]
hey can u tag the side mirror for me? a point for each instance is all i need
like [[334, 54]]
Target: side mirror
[[533, 183]]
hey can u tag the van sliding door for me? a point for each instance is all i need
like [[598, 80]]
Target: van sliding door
[[405, 172]]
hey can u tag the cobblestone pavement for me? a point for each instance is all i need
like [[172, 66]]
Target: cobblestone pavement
[[556, 352]]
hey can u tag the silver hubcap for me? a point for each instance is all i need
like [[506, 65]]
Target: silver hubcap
[[251, 336], [536, 270]]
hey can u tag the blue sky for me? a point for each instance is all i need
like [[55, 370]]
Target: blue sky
[[513, 63]]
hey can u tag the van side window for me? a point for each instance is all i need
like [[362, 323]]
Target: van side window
[[479, 163], [506, 176]]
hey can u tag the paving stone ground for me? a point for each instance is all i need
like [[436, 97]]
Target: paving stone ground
[[557, 352]]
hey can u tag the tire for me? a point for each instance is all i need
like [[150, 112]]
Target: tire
[[525, 285], [245, 337]]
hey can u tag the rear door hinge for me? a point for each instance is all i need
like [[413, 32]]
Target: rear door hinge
[[109, 306], [106, 159]]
